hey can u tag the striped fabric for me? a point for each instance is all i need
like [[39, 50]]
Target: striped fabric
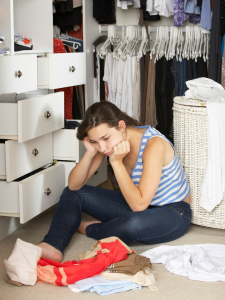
[[173, 186]]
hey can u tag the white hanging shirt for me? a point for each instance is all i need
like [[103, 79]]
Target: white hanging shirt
[[203, 262], [108, 73], [127, 91], [119, 85], [114, 81], [164, 7], [123, 4], [150, 7]]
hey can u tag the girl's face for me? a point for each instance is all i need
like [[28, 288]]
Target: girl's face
[[104, 138]]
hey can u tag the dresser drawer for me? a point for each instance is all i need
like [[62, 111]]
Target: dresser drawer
[[32, 117], [66, 146], [99, 176], [31, 196], [2, 160], [23, 158], [64, 69], [18, 73]]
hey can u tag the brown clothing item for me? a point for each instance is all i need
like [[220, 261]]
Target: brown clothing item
[[97, 247], [82, 97], [150, 118], [143, 106], [130, 266], [8, 280]]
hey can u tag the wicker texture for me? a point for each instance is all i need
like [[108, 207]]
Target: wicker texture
[[191, 143]]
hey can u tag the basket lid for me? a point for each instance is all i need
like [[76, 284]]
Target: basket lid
[[189, 102]]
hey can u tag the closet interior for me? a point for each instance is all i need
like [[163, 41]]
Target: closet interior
[[136, 54]]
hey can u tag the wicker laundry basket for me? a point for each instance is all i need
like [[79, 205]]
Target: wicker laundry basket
[[190, 123]]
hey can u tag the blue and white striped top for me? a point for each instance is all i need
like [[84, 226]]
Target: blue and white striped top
[[173, 186]]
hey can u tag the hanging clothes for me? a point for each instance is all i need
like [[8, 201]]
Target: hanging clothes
[[143, 107], [137, 91], [119, 85], [127, 91], [108, 69], [150, 117], [214, 71], [164, 95]]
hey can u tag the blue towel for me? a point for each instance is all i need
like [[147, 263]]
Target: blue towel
[[104, 286]]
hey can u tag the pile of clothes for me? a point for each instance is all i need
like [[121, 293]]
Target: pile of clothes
[[21, 42], [109, 267]]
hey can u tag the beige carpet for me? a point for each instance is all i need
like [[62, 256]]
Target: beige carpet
[[170, 286]]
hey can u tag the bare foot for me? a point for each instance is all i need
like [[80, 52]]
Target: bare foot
[[83, 226], [50, 252]]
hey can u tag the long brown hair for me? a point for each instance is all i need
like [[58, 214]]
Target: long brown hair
[[103, 112]]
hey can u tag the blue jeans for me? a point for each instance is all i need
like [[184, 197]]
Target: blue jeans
[[157, 224]]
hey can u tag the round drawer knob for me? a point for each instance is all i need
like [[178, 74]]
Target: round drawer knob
[[47, 191], [19, 74], [35, 152], [72, 69], [47, 114]]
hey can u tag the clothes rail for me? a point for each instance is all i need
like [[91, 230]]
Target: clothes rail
[[104, 28]]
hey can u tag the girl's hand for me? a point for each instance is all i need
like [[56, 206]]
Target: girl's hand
[[120, 151], [89, 146]]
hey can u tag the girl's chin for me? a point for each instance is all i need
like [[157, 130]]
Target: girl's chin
[[108, 154]]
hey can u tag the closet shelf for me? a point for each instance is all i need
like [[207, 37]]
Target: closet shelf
[[32, 52]]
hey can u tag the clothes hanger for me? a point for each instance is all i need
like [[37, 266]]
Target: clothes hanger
[[156, 41], [175, 32], [166, 40], [121, 44], [178, 43], [73, 43], [170, 43], [147, 46], [181, 44], [207, 46], [143, 43]]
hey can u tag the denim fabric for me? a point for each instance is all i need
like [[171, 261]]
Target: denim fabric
[[71, 41], [206, 16], [222, 47], [154, 225], [191, 8], [183, 77]]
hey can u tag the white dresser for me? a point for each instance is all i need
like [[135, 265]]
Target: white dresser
[[31, 133]]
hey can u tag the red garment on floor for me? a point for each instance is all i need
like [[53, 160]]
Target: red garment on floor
[[68, 91], [70, 272]]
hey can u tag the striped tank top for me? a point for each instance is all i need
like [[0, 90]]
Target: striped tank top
[[173, 186]]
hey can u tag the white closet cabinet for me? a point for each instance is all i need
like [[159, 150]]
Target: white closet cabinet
[[33, 195], [63, 69], [18, 73], [28, 186], [67, 149]]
